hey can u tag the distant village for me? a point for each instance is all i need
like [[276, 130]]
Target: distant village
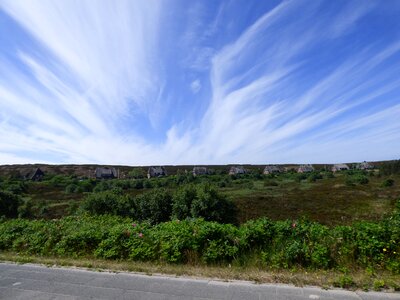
[[37, 174]]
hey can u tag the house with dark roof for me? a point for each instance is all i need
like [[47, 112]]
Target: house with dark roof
[[305, 169], [106, 173], [340, 167], [200, 171], [237, 170], [34, 174], [156, 171], [272, 169]]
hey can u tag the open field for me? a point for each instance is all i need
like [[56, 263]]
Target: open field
[[331, 200]]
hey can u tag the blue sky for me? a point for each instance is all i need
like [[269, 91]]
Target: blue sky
[[199, 82]]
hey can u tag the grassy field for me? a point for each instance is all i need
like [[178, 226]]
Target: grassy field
[[330, 201]]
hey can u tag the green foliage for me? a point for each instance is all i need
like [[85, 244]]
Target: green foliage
[[202, 201], [361, 179], [108, 202], [283, 244], [71, 188], [25, 210], [379, 284], [138, 184], [9, 203], [17, 187], [182, 202], [301, 243], [154, 206], [356, 177], [269, 182], [344, 281], [390, 167], [136, 173], [388, 182], [257, 233], [314, 176], [61, 180], [212, 206], [158, 205]]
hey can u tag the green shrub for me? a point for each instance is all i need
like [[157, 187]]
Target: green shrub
[[302, 243], [283, 244], [390, 167], [344, 281], [136, 173], [127, 241], [388, 182], [9, 203], [257, 233], [182, 202], [154, 206], [361, 179], [18, 187], [313, 177], [212, 206], [25, 210], [379, 284], [270, 182], [71, 188], [108, 202]]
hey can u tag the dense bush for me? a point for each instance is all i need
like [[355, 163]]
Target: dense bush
[[108, 202], [314, 176], [388, 182], [212, 206], [356, 177], [9, 203], [390, 167], [202, 201], [282, 244], [154, 206], [361, 179], [159, 205], [182, 202], [136, 173]]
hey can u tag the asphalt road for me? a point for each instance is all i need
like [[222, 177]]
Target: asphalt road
[[39, 282]]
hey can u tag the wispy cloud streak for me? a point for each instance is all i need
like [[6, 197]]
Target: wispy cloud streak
[[102, 82]]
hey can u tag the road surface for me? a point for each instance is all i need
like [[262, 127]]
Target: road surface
[[39, 282]]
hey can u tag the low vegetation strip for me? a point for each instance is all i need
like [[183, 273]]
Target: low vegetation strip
[[262, 242]]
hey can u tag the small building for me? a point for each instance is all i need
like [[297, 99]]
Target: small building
[[237, 170], [106, 173], [34, 175], [156, 171], [200, 171], [305, 169], [340, 167], [272, 169], [364, 166]]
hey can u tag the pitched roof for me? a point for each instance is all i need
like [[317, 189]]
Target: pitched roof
[[364, 165], [105, 172], [340, 167], [31, 174], [237, 170], [272, 169], [199, 170], [305, 168], [156, 170]]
